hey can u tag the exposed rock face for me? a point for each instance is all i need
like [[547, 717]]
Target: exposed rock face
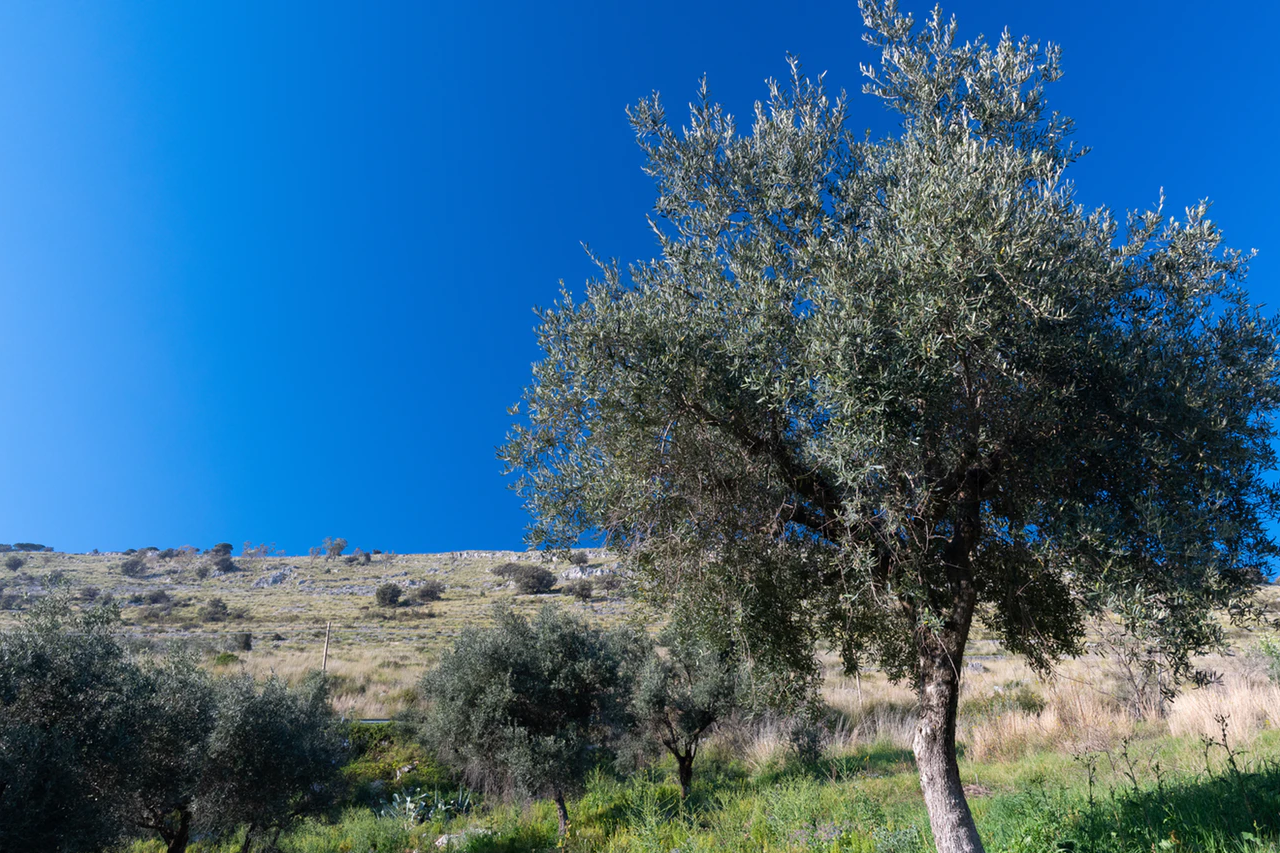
[[274, 579]]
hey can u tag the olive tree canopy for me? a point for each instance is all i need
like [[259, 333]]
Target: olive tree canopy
[[872, 390]]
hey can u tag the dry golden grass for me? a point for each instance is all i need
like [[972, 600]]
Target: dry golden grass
[[376, 654], [1247, 704]]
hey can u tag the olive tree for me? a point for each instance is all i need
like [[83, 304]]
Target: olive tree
[[872, 391], [530, 704], [682, 694], [67, 726], [177, 714], [272, 757]]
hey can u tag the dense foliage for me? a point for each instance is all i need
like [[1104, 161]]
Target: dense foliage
[[95, 744], [67, 728], [530, 704]]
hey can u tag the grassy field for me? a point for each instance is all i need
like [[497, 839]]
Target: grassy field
[[1050, 764]]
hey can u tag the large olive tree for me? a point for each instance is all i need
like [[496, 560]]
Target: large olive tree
[[871, 391]]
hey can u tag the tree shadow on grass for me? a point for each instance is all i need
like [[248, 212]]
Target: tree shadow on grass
[[1225, 808], [882, 759]]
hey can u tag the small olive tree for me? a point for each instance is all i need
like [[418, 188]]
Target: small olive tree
[[680, 695], [530, 704], [873, 390]]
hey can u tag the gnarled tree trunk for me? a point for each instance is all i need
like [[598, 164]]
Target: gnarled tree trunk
[[181, 837], [562, 811], [684, 768]]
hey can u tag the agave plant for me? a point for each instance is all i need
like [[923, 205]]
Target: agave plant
[[416, 806]]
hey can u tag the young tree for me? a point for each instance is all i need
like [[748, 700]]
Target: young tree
[[679, 697], [530, 703], [872, 391], [333, 547]]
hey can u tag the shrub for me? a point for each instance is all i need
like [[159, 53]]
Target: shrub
[[133, 566], [90, 593], [14, 562], [533, 580], [214, 610], [334, 547], [681, 696], [242, 641], [157, 596], [430, 590], [507, 570], [1269, 649], [29, 546], [225, 659], [1003, 699], [580, 589], [579, 558], [273, 757], [388, 595], [168, 553], [5, 549]]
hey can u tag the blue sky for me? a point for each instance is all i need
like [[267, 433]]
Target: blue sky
[[266, 269]]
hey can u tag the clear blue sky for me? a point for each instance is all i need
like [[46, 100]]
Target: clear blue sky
[[266, 269]]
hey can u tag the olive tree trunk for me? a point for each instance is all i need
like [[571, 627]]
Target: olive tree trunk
[[935, 749], [178, 840], [562, 811], [684, 770], [941, 660]]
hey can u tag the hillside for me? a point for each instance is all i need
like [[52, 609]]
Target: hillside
[[285, 603]]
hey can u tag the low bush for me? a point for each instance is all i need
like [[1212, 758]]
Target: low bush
[[507, 570], [214, 610], [579, 558], [430, 590], [388, 595], [14, 563], [133, 566], [533, 580], [582, 589]]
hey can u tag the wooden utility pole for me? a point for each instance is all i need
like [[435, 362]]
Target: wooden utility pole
[[324, 661]]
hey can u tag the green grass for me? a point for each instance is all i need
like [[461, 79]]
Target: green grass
[[1045, 802]]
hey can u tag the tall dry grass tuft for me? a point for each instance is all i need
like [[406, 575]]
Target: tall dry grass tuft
[[1074, 717], [1248, 704]]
